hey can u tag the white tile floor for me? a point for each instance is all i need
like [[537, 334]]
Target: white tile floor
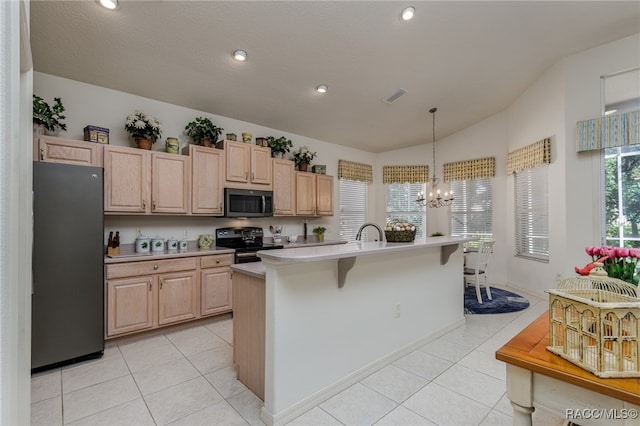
[[186, 377]]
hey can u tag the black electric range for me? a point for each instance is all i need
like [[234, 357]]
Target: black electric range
[[246, 241]]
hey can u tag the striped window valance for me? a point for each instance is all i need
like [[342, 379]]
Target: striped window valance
[[609, 131], [470, 169], [405, 174], [355, 171], [530, 156]]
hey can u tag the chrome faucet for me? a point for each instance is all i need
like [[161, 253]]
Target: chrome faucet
[[359, 234]]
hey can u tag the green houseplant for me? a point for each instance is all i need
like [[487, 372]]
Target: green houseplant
[[144, 129], [49, 117], [302, 157], [203, 131], [279, 146], [319, 231]]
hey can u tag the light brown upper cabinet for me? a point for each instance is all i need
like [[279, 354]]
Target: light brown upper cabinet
[[139, 181], [67, 151], [284, 187], [207, 180], [314, 194], [247, 165]]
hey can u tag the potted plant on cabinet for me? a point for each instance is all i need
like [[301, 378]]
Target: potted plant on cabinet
[[279, 146], [203, 131], [319, 231], [302, 157], [144, 129], [47, 118]]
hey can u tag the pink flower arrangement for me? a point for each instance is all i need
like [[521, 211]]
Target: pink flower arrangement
[[619, 262]]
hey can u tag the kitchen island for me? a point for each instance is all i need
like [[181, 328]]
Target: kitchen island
[[331, 315]]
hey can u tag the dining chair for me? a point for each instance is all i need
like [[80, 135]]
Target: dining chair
[[479, 269]]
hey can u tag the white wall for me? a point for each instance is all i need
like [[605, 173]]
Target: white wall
[[88, 104]]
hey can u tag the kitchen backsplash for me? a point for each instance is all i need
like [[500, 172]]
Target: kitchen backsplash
[[177, 226]]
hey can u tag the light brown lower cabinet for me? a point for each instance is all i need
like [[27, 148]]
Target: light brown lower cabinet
[[215, 284], [149, 294], [249, 331]]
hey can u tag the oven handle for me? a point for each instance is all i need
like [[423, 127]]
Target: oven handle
[[243, 255]]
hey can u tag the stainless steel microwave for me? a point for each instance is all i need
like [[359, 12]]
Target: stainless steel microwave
[[247, 203]]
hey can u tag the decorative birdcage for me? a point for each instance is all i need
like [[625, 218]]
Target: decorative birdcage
[[594, 323]]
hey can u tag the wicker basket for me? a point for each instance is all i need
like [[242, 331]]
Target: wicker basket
[[594, 323], [403, 236]]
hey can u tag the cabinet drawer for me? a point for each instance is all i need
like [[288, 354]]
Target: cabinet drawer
[[150, 267], [216, 261]]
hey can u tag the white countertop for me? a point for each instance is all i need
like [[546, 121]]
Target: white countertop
[[256, 269], [354, 249]]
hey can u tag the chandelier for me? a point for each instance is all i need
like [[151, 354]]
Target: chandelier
[[436, 199]]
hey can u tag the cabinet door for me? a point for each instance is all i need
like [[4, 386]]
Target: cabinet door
[[324, 196], [68, 151], [238, 161], [129, 304], [126, 180], [284, 188], [170, 183], [177, 297], [215, 290], [261, 167], [305, 193], [207, 175]]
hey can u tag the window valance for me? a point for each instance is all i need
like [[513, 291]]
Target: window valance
[[355, 171], [470, 169], [530, 156], [609, 131], [405, 174]]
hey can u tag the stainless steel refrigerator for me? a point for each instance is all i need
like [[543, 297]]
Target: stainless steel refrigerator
[[68, 255]]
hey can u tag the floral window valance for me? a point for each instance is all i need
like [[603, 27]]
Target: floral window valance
[[530, 156], [609, 131], [405, 174], [355, 171], [470, 169]]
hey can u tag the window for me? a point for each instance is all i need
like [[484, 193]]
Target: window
[[401, 204], [353, 208], [622, 196], [471, 211], [531, 214]]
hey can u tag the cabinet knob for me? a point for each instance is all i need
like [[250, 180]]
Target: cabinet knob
[[144, 205], [161, 284], [41, 153], [150, 286], [253, 176], [153, 205], [155, 266], [217, 260]]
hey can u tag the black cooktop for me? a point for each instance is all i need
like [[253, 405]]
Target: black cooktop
[[248, 237]]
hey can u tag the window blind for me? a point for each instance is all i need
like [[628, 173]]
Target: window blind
[[401, 204], [353, 208], [531, 213], [471, 212]]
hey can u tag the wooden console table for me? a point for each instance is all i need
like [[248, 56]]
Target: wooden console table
[[539, 378]]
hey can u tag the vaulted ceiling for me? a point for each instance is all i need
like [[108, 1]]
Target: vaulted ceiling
[[469, 59]]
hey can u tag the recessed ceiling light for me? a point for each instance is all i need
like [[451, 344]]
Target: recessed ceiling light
[[408, 13], [322, 88], [240, 55], [108, 4]]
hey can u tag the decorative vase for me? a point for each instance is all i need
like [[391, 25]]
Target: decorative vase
[[172, 145], [232, 136], [206, 142], [303, 167], [205, 241], [38, 129], [246, 137], [277, 154], [320, 237], [144, 143]]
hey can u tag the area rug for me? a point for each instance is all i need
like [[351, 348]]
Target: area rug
[[503, 301]]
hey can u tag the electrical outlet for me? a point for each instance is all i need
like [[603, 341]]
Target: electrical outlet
[[398, 310]]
